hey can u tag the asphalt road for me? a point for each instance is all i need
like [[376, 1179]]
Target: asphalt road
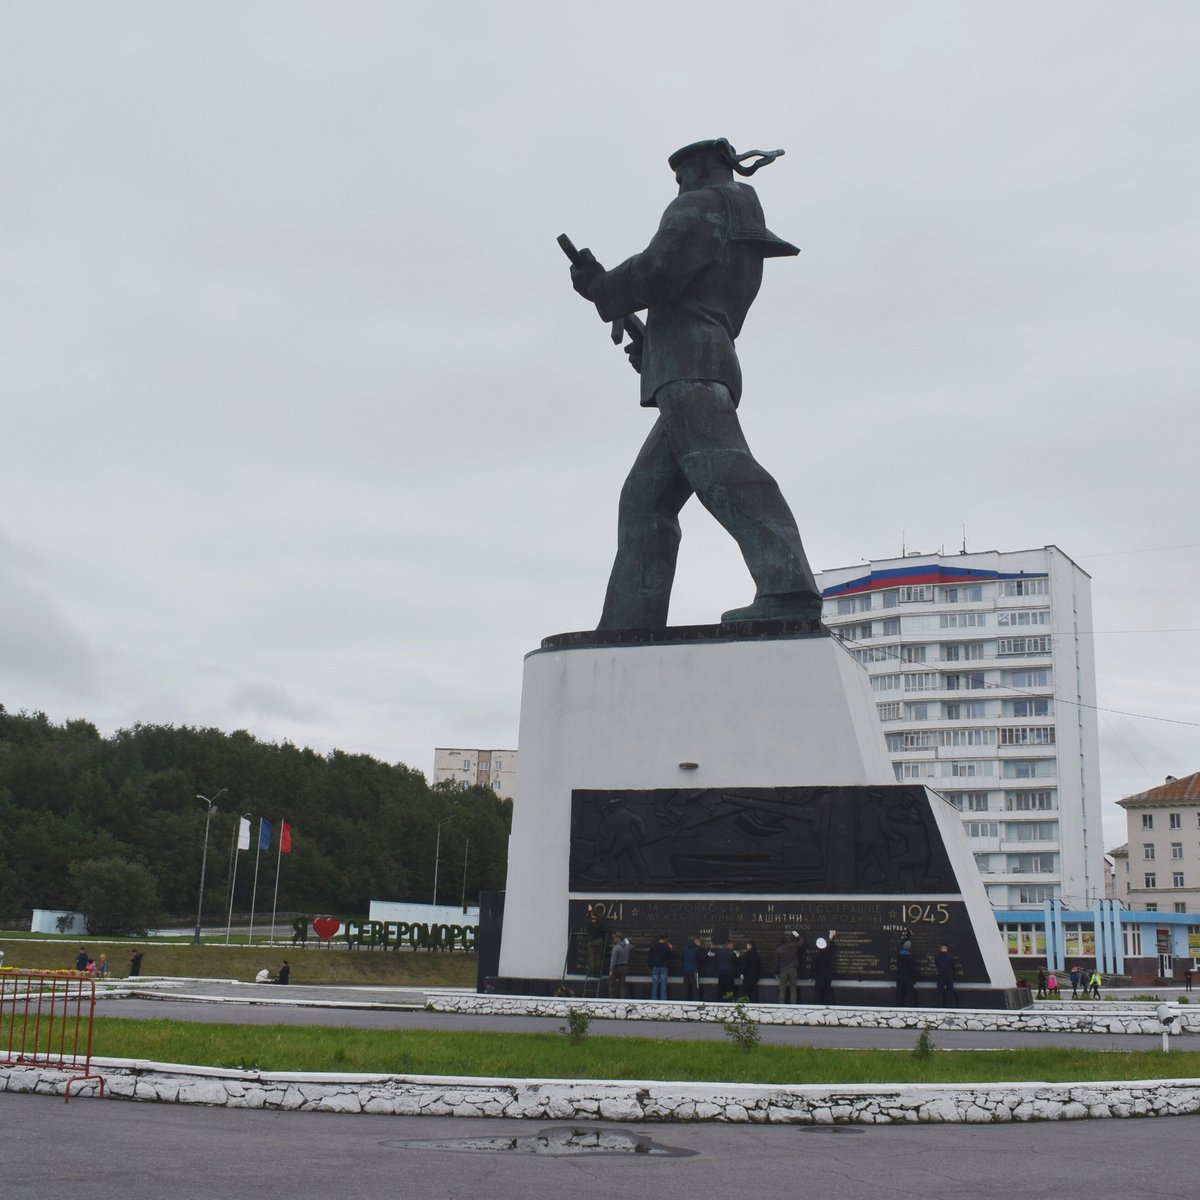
[[236, 1006], [104, 1148]]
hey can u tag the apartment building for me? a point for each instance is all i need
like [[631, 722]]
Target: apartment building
[[983, 671], [496, 769], [1158, 869]]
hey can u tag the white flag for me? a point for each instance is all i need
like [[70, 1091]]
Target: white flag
[[243, 834]]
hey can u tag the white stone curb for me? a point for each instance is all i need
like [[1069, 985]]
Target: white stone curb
[[550, 1099], [1102, 1018]]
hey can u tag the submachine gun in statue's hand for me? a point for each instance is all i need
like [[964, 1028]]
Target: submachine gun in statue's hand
[[585, 268]]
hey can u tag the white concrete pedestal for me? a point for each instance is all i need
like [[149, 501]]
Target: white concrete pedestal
[[691, 714]]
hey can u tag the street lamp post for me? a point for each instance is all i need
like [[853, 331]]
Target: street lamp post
[[212, 804], [437, 853]]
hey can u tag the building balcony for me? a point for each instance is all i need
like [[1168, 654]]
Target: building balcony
[[1010, 846]]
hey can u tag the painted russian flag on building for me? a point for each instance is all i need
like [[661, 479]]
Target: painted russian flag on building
[[915, 576]]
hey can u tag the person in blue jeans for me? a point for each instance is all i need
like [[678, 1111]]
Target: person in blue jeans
[[659, 961]]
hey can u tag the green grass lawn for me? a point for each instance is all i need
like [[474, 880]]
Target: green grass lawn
[[553, 1056], [415, 968]]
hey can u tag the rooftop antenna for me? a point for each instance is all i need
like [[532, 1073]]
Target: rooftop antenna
[[964, 544]]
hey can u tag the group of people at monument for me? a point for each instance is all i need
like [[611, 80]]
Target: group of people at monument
[[738, 971]]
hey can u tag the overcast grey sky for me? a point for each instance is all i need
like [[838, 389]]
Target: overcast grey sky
[[306, 433]]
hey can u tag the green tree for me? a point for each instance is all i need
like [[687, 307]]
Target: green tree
[[115, 896]]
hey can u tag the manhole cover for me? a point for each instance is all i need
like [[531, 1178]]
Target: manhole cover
[[562, 1142]]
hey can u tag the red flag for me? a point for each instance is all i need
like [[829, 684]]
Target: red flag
[[285, 838]]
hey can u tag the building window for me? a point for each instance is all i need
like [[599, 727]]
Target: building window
[[982, 829], [1028, 768], [977, 802], [897, 743], [970, 768], [1027, 708], [1147, 820], [1025, 587], [1152, 908], [1031, 864], [921, 681], [912, 654], [1148, 850], [1022, 646], [965, 710], [917, 711], [964, 681], [874, 654], [1033, 616], [969, 594], [1079, 940], [920, 593], [1037, 893], [1027, 735], [885, 683], [968, 737], [1181, 906], [855, 633], [1151, 879], [1028, 679], [1177, 879], [1024, 941], [1176, 849], [1031, 831], [1131, 935], [889, 712], [915, 770], [854, 604], [970, 620], [1174, 821], [1028, 801]]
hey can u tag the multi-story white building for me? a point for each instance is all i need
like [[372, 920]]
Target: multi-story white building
[[983, 672], [496, 769], [1159, 867]]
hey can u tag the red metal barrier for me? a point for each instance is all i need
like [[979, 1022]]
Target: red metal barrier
[[46, 1021]]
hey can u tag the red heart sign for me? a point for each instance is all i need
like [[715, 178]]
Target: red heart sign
[[326, 927]]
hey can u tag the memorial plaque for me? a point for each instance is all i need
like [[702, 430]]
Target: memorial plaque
[[760, 840], [868, 930]]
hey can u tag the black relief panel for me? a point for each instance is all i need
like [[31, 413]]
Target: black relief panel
[[758, 840]]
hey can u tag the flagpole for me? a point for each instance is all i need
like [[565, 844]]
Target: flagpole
[[254, 888], [278, 860], [232, 877], [237, 848]]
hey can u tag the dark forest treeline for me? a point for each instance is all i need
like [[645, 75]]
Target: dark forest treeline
[[361, 829]]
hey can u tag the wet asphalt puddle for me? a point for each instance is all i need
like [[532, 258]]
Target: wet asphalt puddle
[[564, 1142]]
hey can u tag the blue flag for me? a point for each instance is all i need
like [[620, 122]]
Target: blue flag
[[264, 833]]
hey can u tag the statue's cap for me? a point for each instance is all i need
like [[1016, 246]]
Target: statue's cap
[[821, 943], [721, 149]]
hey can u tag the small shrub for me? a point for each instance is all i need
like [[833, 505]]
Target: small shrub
[[742, 1028], [924, 1047], [576, 1028]]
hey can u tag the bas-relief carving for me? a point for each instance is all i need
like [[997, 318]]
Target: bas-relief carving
[[798, 840]]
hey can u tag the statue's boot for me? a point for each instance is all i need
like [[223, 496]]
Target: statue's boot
[[792, 606]]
